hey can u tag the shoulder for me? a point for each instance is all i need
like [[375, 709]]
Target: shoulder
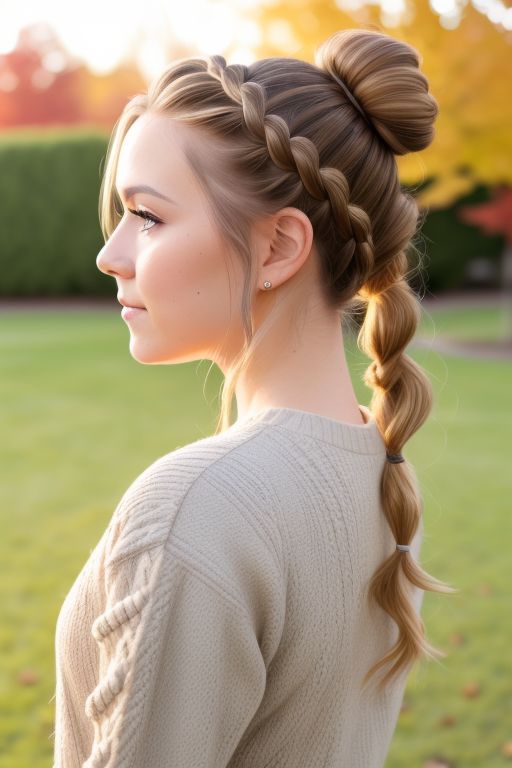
[[214, 483], [201, 510]]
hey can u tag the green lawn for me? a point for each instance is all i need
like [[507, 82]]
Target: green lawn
[[489, 322], [81, 419]]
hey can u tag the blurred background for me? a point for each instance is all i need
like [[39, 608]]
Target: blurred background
[[81, 419]]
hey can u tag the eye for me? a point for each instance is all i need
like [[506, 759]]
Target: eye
[[146, 216]]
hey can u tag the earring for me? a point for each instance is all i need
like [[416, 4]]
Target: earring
[[267, 284]]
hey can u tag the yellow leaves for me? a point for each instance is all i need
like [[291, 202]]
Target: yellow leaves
[[468, 69], [451, 188]]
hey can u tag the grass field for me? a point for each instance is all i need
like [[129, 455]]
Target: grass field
[[485, 324], [81, 419]]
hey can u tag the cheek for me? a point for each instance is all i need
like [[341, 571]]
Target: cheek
[[183, 277]]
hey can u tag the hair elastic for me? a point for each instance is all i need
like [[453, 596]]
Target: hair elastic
[[394, 458], [404, 547]]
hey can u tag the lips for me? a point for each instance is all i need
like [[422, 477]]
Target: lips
[[129, 304]]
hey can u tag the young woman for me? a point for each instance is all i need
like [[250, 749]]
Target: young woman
[[255, 599]]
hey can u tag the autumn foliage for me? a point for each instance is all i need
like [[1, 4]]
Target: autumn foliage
[[42, 85], [468, 69]]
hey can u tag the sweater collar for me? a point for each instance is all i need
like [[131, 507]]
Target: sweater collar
[[360, 438]]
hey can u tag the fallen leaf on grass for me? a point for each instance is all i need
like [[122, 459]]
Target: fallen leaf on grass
[[448, 720], [438, 762], [28, 677], [506, 749], [471, 690]]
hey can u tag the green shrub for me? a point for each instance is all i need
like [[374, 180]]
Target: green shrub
[[450, 244], [50, 233], [49, 226]]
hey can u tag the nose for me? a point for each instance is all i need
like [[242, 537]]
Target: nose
[[104, 263], [113, 259]]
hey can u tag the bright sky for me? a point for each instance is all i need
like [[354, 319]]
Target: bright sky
[[102, 31]]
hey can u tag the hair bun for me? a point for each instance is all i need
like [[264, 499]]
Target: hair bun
[[384, 77]]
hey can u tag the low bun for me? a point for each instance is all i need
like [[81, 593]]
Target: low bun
[[384, 77]]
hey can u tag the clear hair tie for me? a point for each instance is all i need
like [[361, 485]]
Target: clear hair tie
[[404, 547]]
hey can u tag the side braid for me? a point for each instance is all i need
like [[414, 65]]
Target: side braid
[[299, 155]]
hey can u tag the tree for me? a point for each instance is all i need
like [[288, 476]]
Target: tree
[[67, 95], [495, 217], [466, 68]]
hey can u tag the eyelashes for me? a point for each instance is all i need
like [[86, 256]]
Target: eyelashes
[[146, 216]]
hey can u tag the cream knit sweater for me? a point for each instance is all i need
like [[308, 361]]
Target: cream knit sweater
[[222, 620]]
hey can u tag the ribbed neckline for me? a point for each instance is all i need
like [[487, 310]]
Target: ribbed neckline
[[361, 438]]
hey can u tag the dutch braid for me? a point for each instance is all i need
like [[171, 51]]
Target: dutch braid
[[299, 155]]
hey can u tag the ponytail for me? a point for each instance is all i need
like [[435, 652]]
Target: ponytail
[[401, 402]]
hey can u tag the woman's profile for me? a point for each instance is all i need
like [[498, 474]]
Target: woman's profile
[[255, 598]]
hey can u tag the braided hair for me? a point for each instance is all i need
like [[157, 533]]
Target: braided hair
[[322, 138]]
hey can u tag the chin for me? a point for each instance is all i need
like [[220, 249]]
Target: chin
[[148, 355], [143, 353], [151, 353]]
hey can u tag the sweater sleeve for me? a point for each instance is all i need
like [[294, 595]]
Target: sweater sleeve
[[183, 684], [211, 677]]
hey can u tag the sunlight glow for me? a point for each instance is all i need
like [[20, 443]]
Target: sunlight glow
[[104, 33], [447, 7]]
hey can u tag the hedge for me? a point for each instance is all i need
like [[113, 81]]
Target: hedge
[[50, 233], [49, 226]]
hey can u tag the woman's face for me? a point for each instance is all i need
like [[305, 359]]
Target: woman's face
[[175, 269]]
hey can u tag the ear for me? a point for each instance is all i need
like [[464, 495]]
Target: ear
[[289, 238]]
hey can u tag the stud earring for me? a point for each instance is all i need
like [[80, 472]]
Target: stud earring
[[267, 284]]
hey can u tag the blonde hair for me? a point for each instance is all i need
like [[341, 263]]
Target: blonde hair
[[289, 134]]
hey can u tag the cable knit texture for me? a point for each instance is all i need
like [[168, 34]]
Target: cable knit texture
[[222, 618]]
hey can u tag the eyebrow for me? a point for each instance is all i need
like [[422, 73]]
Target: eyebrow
[[129, 192]]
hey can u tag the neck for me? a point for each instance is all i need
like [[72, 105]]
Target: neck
[[306, 370]]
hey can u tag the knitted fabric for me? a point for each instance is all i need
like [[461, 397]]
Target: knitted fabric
[[222, 619]]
